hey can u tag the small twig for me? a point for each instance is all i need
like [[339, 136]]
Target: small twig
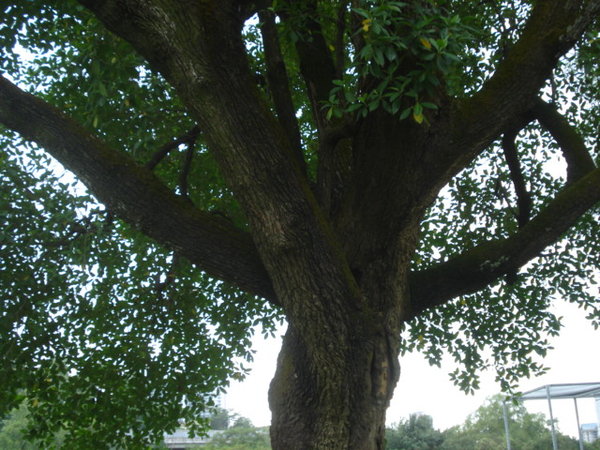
[[339, 39], [163, 151], [357, 39], [170, 276], [185, 171]]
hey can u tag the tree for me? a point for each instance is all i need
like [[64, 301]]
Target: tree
[[485, 430], [374, 171], [240, 438], [242, 422], [219, 420], [12, 432], [415, 433]]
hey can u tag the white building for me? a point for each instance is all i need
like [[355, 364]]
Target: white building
[[589, 432], [180, 440]]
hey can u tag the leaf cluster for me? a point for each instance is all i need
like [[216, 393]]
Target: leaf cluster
[[95, 316], [407, 53]]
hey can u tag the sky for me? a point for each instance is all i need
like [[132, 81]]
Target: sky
[[426, 389]]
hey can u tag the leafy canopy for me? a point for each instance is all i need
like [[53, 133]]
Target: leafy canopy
[[112, 335]]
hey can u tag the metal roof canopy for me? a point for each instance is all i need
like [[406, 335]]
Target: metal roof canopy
[[558, 391]]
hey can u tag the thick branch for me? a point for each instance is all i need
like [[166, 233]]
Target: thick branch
[[134, 194], [475, 269], [512, 159], [579, 161], [278, 81]]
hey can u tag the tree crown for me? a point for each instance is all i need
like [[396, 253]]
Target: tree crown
[[433, 124]]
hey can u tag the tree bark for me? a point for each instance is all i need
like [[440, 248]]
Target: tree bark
[[333, 404]]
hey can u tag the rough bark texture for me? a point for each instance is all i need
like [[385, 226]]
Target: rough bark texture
[[339, 404], [337, 255]]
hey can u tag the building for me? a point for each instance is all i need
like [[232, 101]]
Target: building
[[589, 432], [181, 440]]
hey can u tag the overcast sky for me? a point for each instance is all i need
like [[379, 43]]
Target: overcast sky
[[426, 389]]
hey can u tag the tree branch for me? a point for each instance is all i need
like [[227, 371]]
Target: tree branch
[[357, 39], [340, 50], [316, 63], [135, 195], [164, 150], [211, 75], [247, 8], [512, 159], [278, 82], [552, 29], [185, 170], [579, 161], [475, 269]]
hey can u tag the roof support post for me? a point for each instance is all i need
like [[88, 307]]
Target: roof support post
[[553, 429], [506, 429], [578, 424]]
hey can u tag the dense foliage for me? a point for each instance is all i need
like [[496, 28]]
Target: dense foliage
[[115, 332]]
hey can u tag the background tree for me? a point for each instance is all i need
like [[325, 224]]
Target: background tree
[[377, 172], [484, 429], [219, 420], [416, 433], [241, 436], [13, 428], [242, 422]]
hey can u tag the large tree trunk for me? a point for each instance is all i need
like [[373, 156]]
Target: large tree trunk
[[338, 402]]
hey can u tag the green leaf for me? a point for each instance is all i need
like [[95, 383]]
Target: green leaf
[[429, 105], [405, 113], [102, 89]]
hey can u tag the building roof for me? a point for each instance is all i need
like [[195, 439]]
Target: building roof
[[569, 390]]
